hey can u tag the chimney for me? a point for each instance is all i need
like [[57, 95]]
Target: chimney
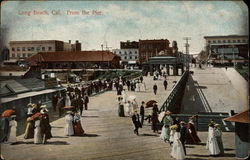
[[69, 41]]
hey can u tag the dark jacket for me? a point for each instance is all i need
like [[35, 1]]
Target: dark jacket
[[142, 112]]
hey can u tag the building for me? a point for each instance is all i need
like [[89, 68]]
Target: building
[[129, 45], [227, 49], [127, 55], [75, 60], [151, 48], [21, 50], [5, 54]]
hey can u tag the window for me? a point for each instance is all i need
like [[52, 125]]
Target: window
[[49, 48], [244, 41], [43, 48], [32, 48], [130, 52], [214, 41], [13, 55], [120, 52], [125, 53], [24, 55], [13, 49], [29, 55], [18, 49], [224, 41], [209, 41], [219, 41], [135, 52], [29, 49], [18, 55], [234, 41], [23, 49], [238, 41], [229, 41], [135, 57], [38, 48], [125, 57], [130, 57]]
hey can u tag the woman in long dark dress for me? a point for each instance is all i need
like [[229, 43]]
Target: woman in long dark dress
[[78, 130], [192, 137], [155, 121]]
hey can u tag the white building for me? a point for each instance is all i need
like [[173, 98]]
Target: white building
[[128, 56], [24, 49], [227, 48]]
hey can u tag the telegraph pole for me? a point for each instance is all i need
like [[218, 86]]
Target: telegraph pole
[[187, 51]]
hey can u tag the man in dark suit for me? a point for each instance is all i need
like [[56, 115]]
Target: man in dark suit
[[155, 89], [165, 83], [183, 133], [142, 112], [136, 122]]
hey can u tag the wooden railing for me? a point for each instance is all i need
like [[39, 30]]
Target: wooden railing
[[173, 102]]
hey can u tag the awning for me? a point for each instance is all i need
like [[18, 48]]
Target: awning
[[242, 117]]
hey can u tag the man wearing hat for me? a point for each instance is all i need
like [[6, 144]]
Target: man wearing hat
[[44, 124], [136, 122]]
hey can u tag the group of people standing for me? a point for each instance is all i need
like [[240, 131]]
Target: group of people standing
[[38, 124], [73, 124]]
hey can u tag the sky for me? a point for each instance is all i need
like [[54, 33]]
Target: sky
[[109, 22]]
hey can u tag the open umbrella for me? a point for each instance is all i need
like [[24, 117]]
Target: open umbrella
[[8, 113], [36, 115], [150, 103]]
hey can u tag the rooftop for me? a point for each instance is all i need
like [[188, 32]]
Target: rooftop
[[227, 36], [80, 56]]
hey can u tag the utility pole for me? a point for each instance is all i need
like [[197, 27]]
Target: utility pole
[[187, 51]]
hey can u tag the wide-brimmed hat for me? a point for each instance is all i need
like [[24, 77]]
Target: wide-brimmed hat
[[13, 116], [30, 105], [168, 112], [217, 125], [44, 110], [69, 112], [174, 126], [43, 106], [182, 122]]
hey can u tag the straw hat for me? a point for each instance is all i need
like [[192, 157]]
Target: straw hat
[[13, 116], [174, 126], [217, 125], [182, 122], [43, 106], [69, 112], [44, 110], [168, 112], [30, 105]]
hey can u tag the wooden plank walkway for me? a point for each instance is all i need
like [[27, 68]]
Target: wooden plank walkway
[[109, 137]]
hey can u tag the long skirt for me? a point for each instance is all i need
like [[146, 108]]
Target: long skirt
[[12, 137], [37, 136], [29, 131], [177, 150], [121, 111], [165, 133], [78, 131]]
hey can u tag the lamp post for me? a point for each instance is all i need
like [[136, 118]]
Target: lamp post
[[233, 56]]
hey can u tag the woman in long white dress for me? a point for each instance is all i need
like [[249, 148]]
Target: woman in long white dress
[[177, 148], [37, 132], [212, 144], [13, 124], [137, 89], [124, 96], [69, 129], [67, 100], [172, 133]]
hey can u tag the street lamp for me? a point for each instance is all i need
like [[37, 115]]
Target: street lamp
[[233, 56]]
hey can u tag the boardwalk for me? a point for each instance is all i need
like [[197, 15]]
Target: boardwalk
[[109, 137]]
